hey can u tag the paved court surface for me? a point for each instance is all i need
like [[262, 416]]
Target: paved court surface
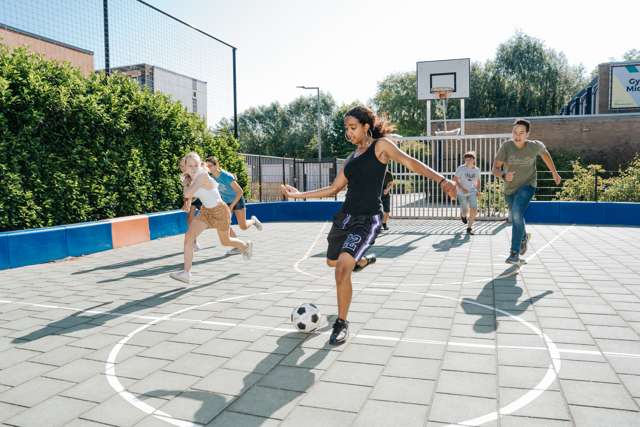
[[445, 333]]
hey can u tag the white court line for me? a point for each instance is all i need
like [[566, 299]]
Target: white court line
[[375, 337]]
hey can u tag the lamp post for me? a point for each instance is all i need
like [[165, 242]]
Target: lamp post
[[319, 142]]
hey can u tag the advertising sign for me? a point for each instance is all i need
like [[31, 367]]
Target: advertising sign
[[625, 86]]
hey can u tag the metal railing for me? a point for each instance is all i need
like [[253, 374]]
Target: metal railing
[[589, 186], [414, 196], [267, 173]]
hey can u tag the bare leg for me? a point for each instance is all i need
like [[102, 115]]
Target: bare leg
[[227, 240], [385, 217], [190, 215], [241, 215], [474, 212], [193, 232], [464, 214], [344, 267]]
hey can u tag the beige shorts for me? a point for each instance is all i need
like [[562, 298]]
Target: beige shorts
[[217, 217]]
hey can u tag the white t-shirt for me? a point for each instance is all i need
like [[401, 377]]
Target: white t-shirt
[[468, 178]]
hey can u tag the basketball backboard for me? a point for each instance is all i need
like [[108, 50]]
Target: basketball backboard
[[452, 73]]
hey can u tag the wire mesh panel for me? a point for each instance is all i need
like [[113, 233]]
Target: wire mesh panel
[[415, 196], [134, 38]]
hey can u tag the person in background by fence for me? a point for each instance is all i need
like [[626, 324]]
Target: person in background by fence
[[467, 179], [357, 224], [515, 162], [189, 205], [386, 198], [233, 195]]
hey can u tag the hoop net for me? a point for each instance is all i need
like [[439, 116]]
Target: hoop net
[[442, 92]]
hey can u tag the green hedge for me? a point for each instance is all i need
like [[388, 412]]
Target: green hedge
[[75, 149]]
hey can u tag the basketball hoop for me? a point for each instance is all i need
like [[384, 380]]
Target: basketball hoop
[[443, 94]]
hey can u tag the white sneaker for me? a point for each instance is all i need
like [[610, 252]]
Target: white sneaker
[[182, 276], [196, 246], [235, 251], [257, 223], [246, 254]]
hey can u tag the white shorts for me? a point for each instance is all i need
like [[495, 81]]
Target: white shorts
[[468, 200]]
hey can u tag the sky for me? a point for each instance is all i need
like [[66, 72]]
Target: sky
[[347, 46]]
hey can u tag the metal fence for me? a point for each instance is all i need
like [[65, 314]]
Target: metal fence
[[589, 186], [267, 173], [414, 196], [136, 39]]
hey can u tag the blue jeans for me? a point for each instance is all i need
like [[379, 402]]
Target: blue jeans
[[517, 204]]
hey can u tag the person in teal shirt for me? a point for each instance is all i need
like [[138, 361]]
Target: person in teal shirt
[[233, 195], [515, 162]]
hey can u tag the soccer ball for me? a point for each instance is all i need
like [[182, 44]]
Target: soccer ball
[[306, 317]]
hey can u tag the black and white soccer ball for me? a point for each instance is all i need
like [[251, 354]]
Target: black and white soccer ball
[[306, 317]]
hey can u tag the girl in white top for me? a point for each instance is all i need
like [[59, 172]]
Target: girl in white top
[[214, 214]]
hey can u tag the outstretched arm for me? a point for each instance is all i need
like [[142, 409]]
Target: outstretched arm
[[394, 153], [338, 184], [546, 157]]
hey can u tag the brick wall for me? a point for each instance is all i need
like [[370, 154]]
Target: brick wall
[[51, 50], [604, 131]]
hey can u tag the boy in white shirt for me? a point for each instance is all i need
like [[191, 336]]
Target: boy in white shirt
[[467, 181]]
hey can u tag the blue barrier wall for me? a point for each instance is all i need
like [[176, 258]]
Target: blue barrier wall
[[4, 252], [36, 246], [164, 224], [21, 248], [88, 238]]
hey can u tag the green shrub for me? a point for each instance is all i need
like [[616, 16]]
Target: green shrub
[[75, 149], [622, 188]]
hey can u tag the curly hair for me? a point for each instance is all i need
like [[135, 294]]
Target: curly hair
[[379, 126]]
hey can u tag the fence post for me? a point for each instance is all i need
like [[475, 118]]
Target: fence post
[[260, 178], [596, 186], [284, 179], [335, 173]]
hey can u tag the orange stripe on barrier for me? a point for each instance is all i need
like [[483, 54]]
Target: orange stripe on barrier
[[129, 230]]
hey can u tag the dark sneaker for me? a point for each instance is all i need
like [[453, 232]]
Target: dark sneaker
[[514, 258], [384, 227], [525, 242], [470, 231], [464, 219], [340, 332], [371, 259]]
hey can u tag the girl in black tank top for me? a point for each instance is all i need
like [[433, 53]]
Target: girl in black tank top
[[358, 222]]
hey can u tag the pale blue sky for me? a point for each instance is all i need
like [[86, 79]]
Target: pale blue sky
[[347, 46]]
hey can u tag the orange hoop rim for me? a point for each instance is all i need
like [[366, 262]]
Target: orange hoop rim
[[442, 91]]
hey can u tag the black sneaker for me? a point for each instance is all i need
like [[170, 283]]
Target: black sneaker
[[371, 259], [340, 332], [525, 242], [384, 227], [470, 231], [464, 219], [514, 258]]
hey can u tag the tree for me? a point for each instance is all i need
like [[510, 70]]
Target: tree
[[631, 55]]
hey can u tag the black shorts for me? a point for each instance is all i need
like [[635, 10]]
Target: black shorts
[[239, 206], [353, 235], [386, 204], [197, 204]]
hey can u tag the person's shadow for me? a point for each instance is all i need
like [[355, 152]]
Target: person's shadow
[[79, 321], [452, 243], [283, 378], [502, 294]]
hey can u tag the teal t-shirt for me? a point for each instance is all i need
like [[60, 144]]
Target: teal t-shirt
[[224, 186], [522, 161]]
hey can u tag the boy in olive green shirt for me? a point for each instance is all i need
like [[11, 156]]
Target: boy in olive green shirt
[[517, 158]]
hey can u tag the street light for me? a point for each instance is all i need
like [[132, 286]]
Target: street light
[[319, 143]]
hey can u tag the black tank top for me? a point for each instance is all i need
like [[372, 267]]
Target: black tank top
[[365, 174]]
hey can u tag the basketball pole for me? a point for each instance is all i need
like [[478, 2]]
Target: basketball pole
[[462, 116], [428, 117]]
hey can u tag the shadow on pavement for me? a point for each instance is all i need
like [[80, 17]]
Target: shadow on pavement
[[265, 390], [161, 269], [503, 294], [78, 321]]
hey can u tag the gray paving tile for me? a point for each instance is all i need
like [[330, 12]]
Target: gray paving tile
[[234, 419], [596, 417], [467, 384], [58, 411], [35, 391], [115, 411], [403, 390], [23, 372], [549, 405], [380, 413], [353, 373], [338, 397], [370, 354], [266, 402], [599, 395], [448, 408], [228, 382]]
